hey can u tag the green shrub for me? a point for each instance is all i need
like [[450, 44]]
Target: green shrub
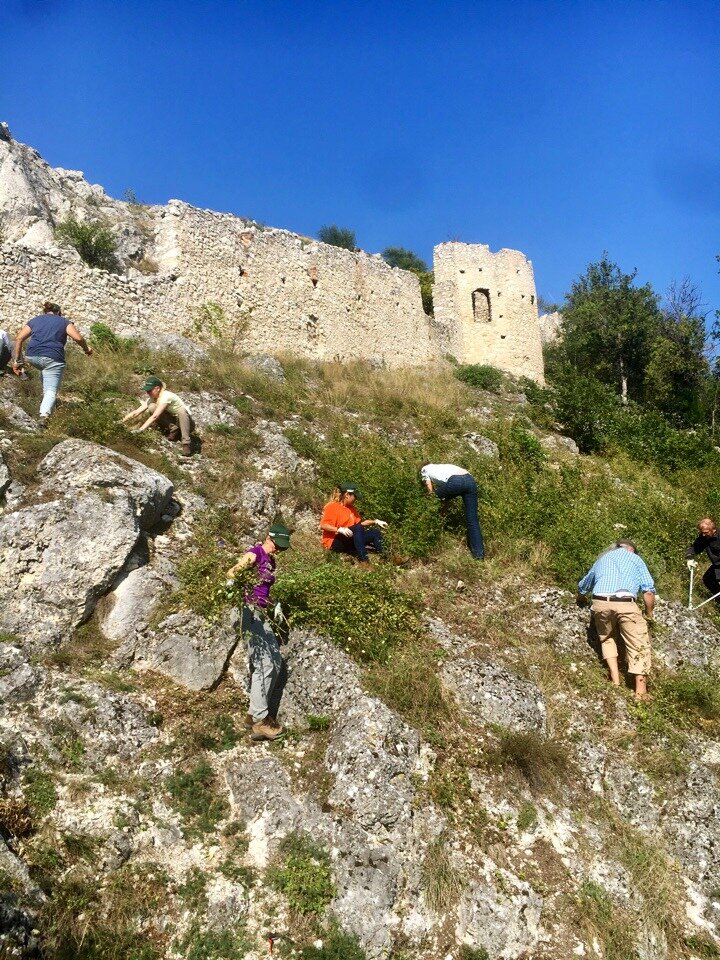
[[317, 722], [527, 818], [210, 323], [473, 953], [704, 946], [481, 375], [39, 791], [93, 240], [193, 796], [303, 875], [601, 919], [228, 944], [96, 420], [336, 945], [363, 612], [688, 698], [219, 734], [103, 338], [541, 761], [337, 236]]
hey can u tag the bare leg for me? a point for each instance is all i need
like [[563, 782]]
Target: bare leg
[[640, 686], [612, 663]]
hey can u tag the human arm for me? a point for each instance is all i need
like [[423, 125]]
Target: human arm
[[72, 331], [136, 412], [20, 339], [649, 600], [587, 582], [331, 528], [696, 547], [246, 561], [160, 406]]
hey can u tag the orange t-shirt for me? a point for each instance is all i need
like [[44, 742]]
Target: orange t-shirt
[[337, 515]]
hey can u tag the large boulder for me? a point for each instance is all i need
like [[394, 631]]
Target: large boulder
[[211, 410], [188, 649], [492, 694], [501, 914], [57, 559], [131, 602], [80, 465]]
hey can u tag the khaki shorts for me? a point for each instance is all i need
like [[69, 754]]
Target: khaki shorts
[[614, 617]]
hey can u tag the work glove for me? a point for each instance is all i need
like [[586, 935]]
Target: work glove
[[691, 564], [345, 531], [380, 523], [278, 614]]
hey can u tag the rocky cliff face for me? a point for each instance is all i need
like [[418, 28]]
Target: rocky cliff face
[[548, 817]]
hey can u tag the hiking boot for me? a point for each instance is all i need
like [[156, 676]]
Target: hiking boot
[[267, 729], [400, 561], [364, 564], [186, 450]]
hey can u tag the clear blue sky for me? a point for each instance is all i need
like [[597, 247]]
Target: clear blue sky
[[559, 128]]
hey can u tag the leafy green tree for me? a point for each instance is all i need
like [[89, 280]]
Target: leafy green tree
[[404, 259], [93, 240], [407, 260], [337, 236], [609, 325], [678, 368]]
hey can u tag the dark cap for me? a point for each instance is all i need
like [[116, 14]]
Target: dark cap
[[151, 383], [280, 536], [349, 488]]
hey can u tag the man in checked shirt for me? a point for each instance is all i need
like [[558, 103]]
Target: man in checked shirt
[[615, 579]]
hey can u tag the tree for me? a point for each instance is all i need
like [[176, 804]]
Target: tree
[[337, 236], [677, 367], [609, 325], [404, 259], [407, 260]]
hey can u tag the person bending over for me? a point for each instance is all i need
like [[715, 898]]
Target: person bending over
[[709, 541], [48, 334], [615, 579], [343, 529], [167, 412], [446, 481], [266, 662]]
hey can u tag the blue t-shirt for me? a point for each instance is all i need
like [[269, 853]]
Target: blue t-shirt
[[48, 337]]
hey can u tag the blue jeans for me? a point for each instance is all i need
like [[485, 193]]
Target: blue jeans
[[52, 373], [463, 485], [362, 538]]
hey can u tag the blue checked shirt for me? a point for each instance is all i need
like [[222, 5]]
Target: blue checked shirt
[[618, 571]]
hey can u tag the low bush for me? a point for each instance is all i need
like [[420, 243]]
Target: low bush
[[302, 873], [686, 699], [541, 761], [193, 795], [473, 953], [480, 375], [441, 881], [229, 944], [93, 240], [336, 945], [337, 236], [364, 613], [104, 339], [40, 792], [600, 919]]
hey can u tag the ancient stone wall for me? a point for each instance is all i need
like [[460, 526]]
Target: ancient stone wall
[[486, 305]]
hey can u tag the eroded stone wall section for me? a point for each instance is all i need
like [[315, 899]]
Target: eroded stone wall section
[[486, 305]]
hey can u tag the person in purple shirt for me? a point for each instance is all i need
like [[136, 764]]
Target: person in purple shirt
[[48, 335], [266, 662]]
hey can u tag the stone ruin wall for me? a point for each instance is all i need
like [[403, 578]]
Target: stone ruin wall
[[293, 294], [487, 305]]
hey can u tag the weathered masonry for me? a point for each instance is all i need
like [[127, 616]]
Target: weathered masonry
[[284, 291], [487, 304]]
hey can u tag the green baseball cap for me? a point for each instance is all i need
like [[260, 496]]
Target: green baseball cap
[[280, 536], [151, 383], [349, 488]]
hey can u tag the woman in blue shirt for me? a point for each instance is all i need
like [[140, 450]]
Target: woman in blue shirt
[[48, 335]]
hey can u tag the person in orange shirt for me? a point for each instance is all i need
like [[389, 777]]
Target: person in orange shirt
[[344, 531]]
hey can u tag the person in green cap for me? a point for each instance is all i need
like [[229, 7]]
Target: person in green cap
[[167, 412], [266, 662]]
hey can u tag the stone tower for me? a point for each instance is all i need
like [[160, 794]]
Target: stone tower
[[486, 306]]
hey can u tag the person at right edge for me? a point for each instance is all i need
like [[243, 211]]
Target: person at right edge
[[709, 541], [446, 481], [266, 662], [615, 579]]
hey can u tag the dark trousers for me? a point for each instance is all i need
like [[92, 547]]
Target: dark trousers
[[362, 538], [710, 579], [5, 356], [463, 485]]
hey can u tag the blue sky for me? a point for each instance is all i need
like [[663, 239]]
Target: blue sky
[[558, 128]]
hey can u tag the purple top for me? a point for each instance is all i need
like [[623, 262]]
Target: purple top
[[259, 596]]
